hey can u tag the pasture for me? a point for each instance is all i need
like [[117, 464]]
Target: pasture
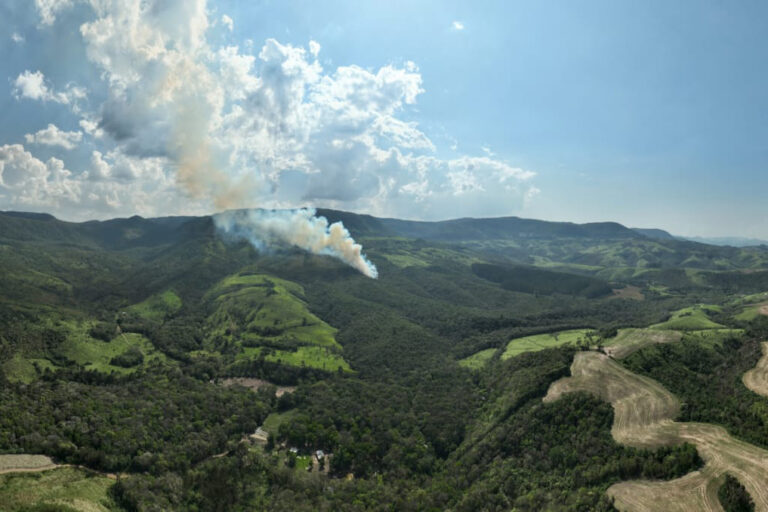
[[537, 342]]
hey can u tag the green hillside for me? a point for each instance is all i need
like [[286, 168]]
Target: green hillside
[[116, 338]]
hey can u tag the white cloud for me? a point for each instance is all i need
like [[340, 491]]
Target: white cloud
[[314, 48], [228, 22], [53, 136], [272, 129], [32, 85], [457, 25], [30, 184], [48, 9], [91, 127], [17, 38]]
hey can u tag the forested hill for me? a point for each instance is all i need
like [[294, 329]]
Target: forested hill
[[418, 383], [478, 229], [114, 232], [608, 249]]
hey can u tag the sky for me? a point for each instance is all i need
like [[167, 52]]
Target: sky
[[652, 114]]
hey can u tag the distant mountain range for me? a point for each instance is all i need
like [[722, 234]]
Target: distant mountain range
[[731, 241], [122, 232]]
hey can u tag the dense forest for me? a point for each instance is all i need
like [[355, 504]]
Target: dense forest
[[203, 374]]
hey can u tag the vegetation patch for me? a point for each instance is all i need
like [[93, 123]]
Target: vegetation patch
[[734, 497], [478, 360], [320, 358], [631, 340], [549, 340], [691, 319], [108, 357], [11, 462], [752, 312], [267, 319], [538, 280], [274, 420], [158, 307], [61, 490]]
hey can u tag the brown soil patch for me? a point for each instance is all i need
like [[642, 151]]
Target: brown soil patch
[[643, 417], [756, 379], [628, 341], [256, 384], [628, 292]]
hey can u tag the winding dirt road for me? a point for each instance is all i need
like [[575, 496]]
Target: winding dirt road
[[643, 417]]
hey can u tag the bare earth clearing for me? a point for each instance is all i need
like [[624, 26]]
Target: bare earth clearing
[[756, 379], [14, 463], [256, 384], [628, 341], [643, 417]]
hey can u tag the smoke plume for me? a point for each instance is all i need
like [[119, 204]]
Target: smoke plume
[[299, 228]]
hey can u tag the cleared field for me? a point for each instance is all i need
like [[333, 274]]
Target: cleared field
[[79, 346], [157, 307], [713, 336], [641, 405], [264, 308], [628, 341], [274, 420], [19, 369], [756, 379], [321, 358], [256, 384], [96, 355], [695, 491], [643, 417], [691, 318], [628, 292], [752, 312], [478, 360], [536, 342], [63, 489], [22, 461]]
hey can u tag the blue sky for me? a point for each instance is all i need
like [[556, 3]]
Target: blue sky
[[648, 113]]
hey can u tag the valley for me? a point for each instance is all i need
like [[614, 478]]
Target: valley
[[155, 348]]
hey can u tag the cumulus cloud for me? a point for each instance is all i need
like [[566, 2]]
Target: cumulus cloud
[[104, 189], [228, 22], [48, 9], [457, 25], [271, 127], [17, 38], [53, 136], [32, 85]]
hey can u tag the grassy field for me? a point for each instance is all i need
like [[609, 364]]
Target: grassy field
[[542, 341], [628, 341], [95, 354], [751, 312], [691, 318], [478, 360], [644, 413], [263, 307], [711, 337], [158, 307], [62, 490], [11, 462], [80, 347], [321, 358], [274, 420], [267, 315]]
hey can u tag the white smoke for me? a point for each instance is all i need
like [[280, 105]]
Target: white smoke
[[299, 228]]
